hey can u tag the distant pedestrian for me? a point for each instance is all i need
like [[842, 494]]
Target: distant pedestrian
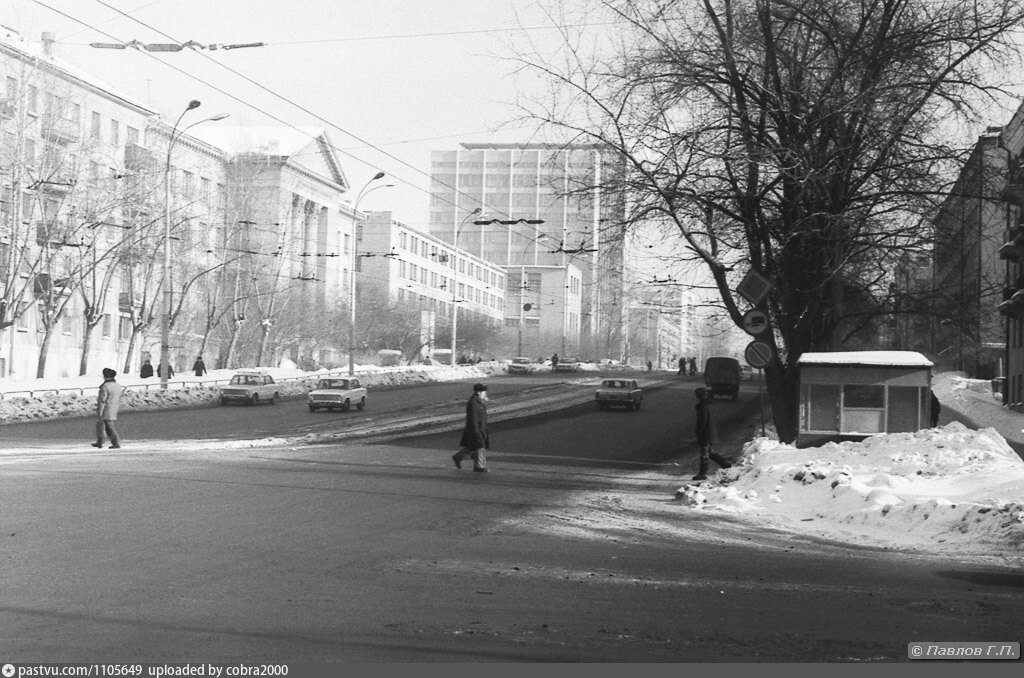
[[146, 371], [935, 409], [707, 436], [554, 361], [650, 365], [108, 402], [199, 367], [160, 371], [693, 366], [682, 367], [475, 440]]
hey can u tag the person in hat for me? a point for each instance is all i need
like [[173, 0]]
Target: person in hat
[[707, 435], [108, 402], [474, 436], [199, 367]]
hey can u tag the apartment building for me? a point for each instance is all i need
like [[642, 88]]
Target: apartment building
[[570, 194], [65, 213]]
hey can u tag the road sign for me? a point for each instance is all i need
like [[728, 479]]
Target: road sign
[[758, 354], [754, 287], [755, 322]]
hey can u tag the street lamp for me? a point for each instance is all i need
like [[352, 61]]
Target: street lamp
[[352, 271], [455, 279], [165, 334]]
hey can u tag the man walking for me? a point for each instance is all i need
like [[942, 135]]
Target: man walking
[[474, 436], [199, 367], [707, 436], [108, 401]]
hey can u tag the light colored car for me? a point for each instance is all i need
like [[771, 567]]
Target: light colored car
[[251, 387], [337, 394], [520, 365], [619, 392]]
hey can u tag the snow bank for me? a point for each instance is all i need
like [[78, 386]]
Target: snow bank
[[146, 394], [949, 489]]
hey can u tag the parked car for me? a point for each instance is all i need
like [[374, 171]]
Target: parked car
[[619, 392], [337, 394], [722, 377], [520, 365], [250, 387], [567, 365]]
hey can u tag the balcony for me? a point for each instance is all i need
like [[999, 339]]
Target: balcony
[[137, 157], [1014, 193], [59, 180], [1010, 310], [1011, 251], [56, 127]]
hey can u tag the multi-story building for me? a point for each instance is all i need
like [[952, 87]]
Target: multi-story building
[[482, 197], [413, 267], [66, 214], [93, 188], [1012, 254], [969, 277]]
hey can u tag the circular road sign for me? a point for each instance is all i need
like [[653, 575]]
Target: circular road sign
[[755, 322], [758, 354]]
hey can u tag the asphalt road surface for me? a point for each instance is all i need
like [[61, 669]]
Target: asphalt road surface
[[383, 551]]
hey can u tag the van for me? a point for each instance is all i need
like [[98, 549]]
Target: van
[[722, 377]]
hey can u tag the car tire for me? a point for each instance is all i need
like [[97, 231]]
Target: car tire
[[636, 405], [361, 405], [312, 408], [255, 399], [346, 406]]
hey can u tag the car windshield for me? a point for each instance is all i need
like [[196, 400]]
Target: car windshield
[[520, 361], [611, 383], [333, 384], [244, 380]]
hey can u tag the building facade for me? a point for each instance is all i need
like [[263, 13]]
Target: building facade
[[482, 195]]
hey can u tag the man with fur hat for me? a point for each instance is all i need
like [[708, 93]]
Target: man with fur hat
[[108, 401], [474, 436]]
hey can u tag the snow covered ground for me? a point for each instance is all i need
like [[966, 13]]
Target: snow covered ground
[[949, 490]]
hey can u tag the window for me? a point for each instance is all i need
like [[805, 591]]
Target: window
[[67, 323], [22, 321], [402, 242], [105, 323], [124, 328], [115, 132], [863, 409], [132, 135], [347, 244], [206, 190], [188, 181], [12, 89], [32, 99], [96, 122], [30, 153]]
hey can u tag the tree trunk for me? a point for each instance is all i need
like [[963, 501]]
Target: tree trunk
[[783, 387], [131, 349], [83, 363], [264, 339], [44, 349], [229, 352]]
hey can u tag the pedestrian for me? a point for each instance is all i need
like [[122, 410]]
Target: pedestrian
[[554, 361], [707, 436], [475, 440], [650, 365], [693, 366], [108, 401], [199, 367], [160, 371], [682, 366], [935, 409], [146, 371]]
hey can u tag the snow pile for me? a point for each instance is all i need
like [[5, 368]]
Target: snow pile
[[76, 396], [948, 489]]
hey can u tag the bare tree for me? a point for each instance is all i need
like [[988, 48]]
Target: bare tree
[[801, 139]]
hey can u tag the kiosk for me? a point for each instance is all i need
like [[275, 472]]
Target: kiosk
[[851, 395]]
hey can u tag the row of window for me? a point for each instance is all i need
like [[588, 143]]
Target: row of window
[[428, 278], [71, 325], [425, 249], [72, 112]]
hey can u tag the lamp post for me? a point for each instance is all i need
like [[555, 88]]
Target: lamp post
[[352, 272], [455, 279], [165, 334]]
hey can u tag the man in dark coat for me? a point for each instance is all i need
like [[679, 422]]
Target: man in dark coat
[[707, 436], [935, 409], [199, 367], [147, 369], [474, 437]]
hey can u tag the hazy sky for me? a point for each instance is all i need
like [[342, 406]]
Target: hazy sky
[[406, 76]]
